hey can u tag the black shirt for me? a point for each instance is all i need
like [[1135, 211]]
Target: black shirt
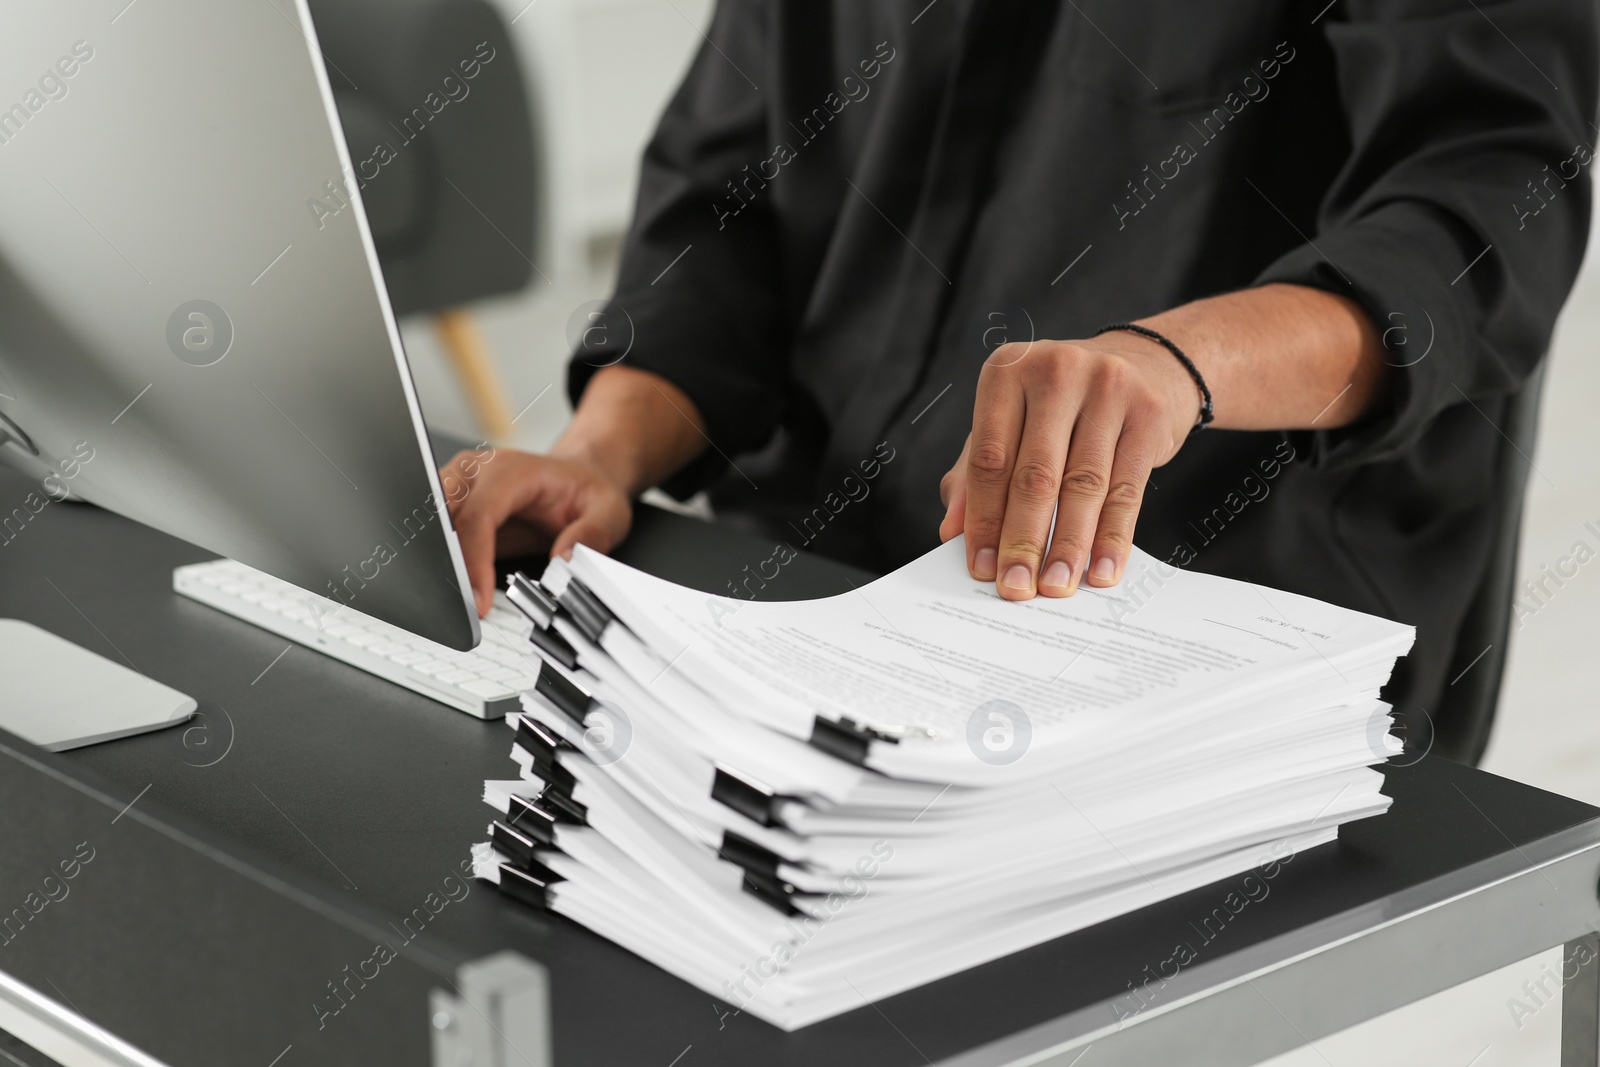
[[847, 205]]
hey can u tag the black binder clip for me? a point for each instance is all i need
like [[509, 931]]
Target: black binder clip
[[529, 599], [846, 739], [756, 802], [560, 691], [542, 744], [556, 801], [584, 608], [774, 892], [533, 831], [537, 819], [743, 852], [540, 608], [530, 885], [553, 645]]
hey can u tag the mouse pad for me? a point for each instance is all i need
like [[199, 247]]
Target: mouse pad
[[60, 696]]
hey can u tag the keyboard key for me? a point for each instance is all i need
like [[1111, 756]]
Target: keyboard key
[[506, 657], [487, 690]]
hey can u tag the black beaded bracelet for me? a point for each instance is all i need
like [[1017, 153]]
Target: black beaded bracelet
[[1206, 414]]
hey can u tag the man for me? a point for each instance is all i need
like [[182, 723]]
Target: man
[[875, 243]]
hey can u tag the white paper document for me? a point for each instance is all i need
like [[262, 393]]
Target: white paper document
[[799, 805]]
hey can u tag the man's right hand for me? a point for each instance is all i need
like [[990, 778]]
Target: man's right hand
[[632, 429], [513, 503]]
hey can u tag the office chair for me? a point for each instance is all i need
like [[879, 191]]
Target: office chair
[[436, 117], [1468, 708]]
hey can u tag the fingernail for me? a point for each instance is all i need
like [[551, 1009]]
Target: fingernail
[[1017, 577], [983, 566], [1105, 569], [1057, 575]]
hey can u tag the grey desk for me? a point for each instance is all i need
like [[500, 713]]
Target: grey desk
[[244, 868]]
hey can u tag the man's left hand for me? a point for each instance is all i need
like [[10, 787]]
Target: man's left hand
[[1070, 428]]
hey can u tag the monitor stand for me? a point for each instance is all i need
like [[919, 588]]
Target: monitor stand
[[60, 696]]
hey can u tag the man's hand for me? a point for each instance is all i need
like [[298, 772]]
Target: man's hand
[[1070, 428], [1076, 426], [632, 429], [515, 503]]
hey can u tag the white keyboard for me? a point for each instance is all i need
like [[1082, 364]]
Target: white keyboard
[[486, 682]]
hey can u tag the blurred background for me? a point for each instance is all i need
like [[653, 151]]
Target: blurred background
[[598, 73]]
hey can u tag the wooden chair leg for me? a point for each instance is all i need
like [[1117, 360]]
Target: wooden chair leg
[[469, 355]]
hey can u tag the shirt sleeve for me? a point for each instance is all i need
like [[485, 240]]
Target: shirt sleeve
[[1459, 218], [698, 297]]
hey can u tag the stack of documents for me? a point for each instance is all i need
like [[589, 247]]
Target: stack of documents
[[803, 807]]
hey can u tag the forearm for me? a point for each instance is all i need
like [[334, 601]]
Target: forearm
[[635, 426], [1281, 357]]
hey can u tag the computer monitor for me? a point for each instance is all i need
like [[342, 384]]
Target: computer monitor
[[193, 328]]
